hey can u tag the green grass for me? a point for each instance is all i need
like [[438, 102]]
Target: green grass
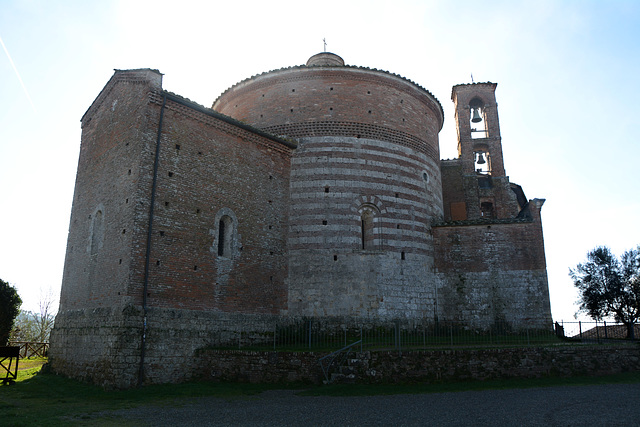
[[45, 399]]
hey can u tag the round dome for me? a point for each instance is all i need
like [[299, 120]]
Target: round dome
[[337, 100], [326, 59]]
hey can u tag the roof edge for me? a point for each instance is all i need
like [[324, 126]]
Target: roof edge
[[138, 75], [338, 68], [230, 120]]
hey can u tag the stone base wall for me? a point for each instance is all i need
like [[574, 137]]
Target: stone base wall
[[369, 285], [103, 346], [419, 366], [100, 345], [517, 299]]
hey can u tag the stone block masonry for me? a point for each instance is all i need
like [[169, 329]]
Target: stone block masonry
[[421, 366]]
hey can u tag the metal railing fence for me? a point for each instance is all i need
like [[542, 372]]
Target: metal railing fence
[[598, 331], [310, 335]]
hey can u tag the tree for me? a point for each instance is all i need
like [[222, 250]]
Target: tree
[[35, 327], [610, 286], [9, 307]]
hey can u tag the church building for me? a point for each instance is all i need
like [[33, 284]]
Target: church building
[[313, 191]]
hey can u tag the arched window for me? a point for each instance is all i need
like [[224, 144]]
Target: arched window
[[366, 220], [226, 239], [368, 229], [225, 233], [97, 232]]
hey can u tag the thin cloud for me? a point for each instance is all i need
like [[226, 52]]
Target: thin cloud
[[18, 74]]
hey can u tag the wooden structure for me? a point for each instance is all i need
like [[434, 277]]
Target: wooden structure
[[9, 355]]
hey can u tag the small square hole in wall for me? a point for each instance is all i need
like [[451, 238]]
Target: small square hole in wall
[[124, 231], [120, 262], [177, 146], [401, 255], [197, 211], [158, 262], [195, 267], [271, 253], [369, 111], [368, 92], [398, 227], [293, 90], [324, 222], [126, 200], [270, 176], [170, 174], [330, 88], [270, 227], [271, 278], [129, 173], [292, 110], [199, 153], [335, 257], [270, 201], [330, 108], [161, 233], [166, 203], [326, 189], [397, 195]]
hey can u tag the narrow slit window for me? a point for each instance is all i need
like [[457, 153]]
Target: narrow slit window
[[221, 236], [225, 234], [97, 232]]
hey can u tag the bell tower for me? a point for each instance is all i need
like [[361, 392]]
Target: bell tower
[[487, 191]]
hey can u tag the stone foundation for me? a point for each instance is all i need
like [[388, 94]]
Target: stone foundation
[[419, 366]]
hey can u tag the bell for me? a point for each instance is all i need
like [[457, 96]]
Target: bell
[[481, 160], [476, 116]]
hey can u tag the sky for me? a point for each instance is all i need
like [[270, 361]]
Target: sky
[[568, 97]]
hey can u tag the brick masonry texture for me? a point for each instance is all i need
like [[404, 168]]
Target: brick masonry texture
[[310, 191]]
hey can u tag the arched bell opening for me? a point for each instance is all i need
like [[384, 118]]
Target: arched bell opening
[[482, 161], [477, 119]]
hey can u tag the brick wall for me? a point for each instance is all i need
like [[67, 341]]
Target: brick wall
[[208, 169], [117, 133], [336, 96]]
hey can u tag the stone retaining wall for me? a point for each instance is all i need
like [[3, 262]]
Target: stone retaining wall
[[422, 366]]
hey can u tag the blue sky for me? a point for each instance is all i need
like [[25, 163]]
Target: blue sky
[[568, 96]]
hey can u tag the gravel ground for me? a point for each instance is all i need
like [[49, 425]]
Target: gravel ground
[[597, 405]]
